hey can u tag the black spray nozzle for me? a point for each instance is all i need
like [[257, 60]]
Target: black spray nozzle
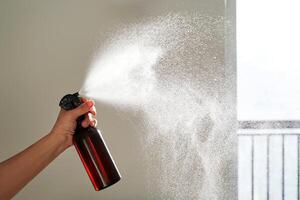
[[70, 101]]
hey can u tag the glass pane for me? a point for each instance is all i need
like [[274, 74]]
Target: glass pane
[[268, 46]]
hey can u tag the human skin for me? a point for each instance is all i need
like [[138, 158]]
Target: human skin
[[20, 169]]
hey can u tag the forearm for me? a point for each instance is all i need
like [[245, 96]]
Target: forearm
[[17, 171]]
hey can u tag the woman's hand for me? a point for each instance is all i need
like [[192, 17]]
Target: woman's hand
[[65, 124], [36, 157]]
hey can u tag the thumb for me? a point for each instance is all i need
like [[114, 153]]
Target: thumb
[[82, 109]]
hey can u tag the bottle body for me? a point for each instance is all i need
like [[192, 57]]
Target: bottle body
[[95, 157]]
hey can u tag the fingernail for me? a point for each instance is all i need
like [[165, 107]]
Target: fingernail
[[90, 103], [92, 111]]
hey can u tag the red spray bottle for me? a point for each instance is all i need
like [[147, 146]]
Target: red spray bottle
[[92, 149]]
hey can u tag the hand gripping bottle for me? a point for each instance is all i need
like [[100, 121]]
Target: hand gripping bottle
[[92, 149]]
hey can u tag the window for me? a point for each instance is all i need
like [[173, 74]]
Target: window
[[268, 59], [268, 66]]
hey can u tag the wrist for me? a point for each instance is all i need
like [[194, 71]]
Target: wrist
[[62, 141]]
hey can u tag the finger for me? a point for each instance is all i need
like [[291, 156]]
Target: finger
[[85, 123], [83, 99], [82, 109], [87, 120], [93, 122], [93, 110], [91, 119]]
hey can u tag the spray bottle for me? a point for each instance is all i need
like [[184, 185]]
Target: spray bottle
[[92, 149]]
